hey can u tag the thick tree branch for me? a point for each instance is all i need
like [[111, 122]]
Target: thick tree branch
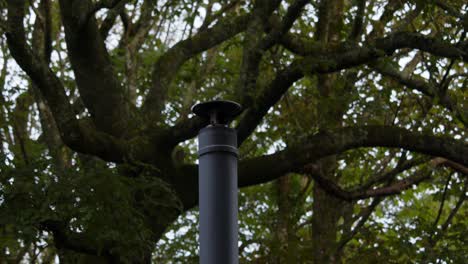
[[339, 58], [300, 45], [307, 47], [100, 90]]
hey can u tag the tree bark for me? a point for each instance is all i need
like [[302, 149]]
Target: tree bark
[[283, 246], [327, 209]]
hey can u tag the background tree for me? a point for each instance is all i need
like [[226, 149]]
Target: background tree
[[347, 104]]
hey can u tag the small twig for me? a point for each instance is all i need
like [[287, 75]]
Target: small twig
[[444, 83], [210, 18], [101, 5], [456, 208], [363, 216], [450, 10], [36, 12], [304, 190], [358, 21], [441, 207], [396, 187], [433, 240]]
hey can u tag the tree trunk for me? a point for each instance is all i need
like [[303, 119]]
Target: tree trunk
[[283, 246], [327, 212]]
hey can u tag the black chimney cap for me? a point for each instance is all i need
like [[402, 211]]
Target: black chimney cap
[[218, 111]]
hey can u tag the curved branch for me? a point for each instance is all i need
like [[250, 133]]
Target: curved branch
[[269, 167], [340, 140], [166, 68], [391, 43]]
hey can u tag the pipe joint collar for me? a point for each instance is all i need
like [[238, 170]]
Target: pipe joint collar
[[218, 148]]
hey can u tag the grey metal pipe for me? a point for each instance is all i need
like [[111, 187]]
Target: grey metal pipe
[[218, 195], [218, 154]]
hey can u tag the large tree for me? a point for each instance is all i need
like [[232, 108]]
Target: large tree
[[343, 101]]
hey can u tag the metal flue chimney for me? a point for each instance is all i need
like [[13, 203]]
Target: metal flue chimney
[[217, 153]]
